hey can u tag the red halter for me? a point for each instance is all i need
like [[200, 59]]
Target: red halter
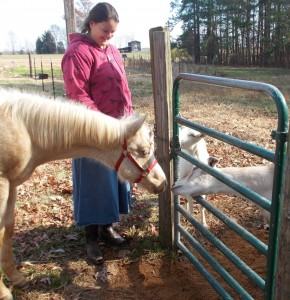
[[126, 153]]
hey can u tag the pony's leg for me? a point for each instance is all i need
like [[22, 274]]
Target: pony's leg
[[6, 234], [4, 194]]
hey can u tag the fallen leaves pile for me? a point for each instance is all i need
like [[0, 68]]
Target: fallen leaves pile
[[45, 199]]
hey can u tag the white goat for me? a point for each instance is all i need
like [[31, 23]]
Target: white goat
[[193, 143], [257, 178]]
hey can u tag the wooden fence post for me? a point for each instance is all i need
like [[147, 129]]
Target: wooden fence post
[[30, 64], [162, 91], [282, 278], [69, 14]]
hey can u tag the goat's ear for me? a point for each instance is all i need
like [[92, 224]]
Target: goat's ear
[[212, 161]]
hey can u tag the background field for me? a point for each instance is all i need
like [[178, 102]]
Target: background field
[[50, 249]]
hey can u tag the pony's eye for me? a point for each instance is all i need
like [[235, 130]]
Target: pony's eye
[[146, 152]]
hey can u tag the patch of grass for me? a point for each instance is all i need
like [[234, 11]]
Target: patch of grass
[[140, 86], [144, 54], [24, 84], [58, 278], [276, 76], [192, 92], [254, 72], [17, 71], [148, 244]]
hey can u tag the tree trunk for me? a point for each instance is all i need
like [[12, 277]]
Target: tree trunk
[[69, 12], [267, 38]]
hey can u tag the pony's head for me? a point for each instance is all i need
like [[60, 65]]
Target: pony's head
[[137, 162]]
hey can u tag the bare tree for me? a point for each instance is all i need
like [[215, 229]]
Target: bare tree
[[81, 11], [12, 41], [58, 34], [29, 46]]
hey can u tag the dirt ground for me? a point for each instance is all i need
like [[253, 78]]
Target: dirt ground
[[129, 272]]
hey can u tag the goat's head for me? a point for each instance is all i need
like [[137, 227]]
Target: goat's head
[[190, 184], [188, 137]]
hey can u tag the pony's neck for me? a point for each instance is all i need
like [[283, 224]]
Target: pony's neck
[[109, 158]]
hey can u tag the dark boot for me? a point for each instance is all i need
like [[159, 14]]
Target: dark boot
[[94, 253], [107, 233]]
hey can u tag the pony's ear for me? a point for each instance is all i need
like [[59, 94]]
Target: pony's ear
[[133, 125]]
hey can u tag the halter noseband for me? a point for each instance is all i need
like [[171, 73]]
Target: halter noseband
[[125, 153]]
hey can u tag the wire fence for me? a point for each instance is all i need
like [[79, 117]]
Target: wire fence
[[47, 74]]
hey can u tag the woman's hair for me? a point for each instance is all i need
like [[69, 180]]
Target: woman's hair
[[101, 12]]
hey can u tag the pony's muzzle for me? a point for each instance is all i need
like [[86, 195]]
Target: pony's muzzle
[[161, 188]]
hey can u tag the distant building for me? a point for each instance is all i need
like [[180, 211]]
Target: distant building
[[132, 46], [135, 45], [125, 49]]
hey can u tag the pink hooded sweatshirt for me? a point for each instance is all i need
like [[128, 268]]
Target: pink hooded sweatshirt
[[96, 77]]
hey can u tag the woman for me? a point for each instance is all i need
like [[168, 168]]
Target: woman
[[94, 74]]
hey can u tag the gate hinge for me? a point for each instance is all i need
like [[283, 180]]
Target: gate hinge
[[174, 143], [279, 136]]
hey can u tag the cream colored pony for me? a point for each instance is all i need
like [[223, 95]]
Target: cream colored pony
[[35, 130]]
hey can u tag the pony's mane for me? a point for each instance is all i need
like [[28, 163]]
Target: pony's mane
[[60, 122]]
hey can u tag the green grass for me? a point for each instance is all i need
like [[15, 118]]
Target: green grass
[[59, 278], [239, 98], [276, 76], [254, 72], [15, 73], [140, 86]]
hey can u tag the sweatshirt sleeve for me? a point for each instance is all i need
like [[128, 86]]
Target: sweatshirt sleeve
[[76, 69]]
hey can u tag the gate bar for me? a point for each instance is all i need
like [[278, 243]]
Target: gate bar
[[224, 249], [242, 189], [270, 89], [252, 148], [204, 272], [260, 246], [215, 264]]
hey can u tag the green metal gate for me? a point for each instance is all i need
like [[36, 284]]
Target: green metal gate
[[278, 158]]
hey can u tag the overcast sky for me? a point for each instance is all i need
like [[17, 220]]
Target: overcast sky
[[29, 19]]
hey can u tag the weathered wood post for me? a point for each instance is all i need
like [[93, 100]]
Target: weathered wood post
[[162, 91], [69, 14], [282, 278]]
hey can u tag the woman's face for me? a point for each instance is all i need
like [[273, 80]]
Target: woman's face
[[102, 32]]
